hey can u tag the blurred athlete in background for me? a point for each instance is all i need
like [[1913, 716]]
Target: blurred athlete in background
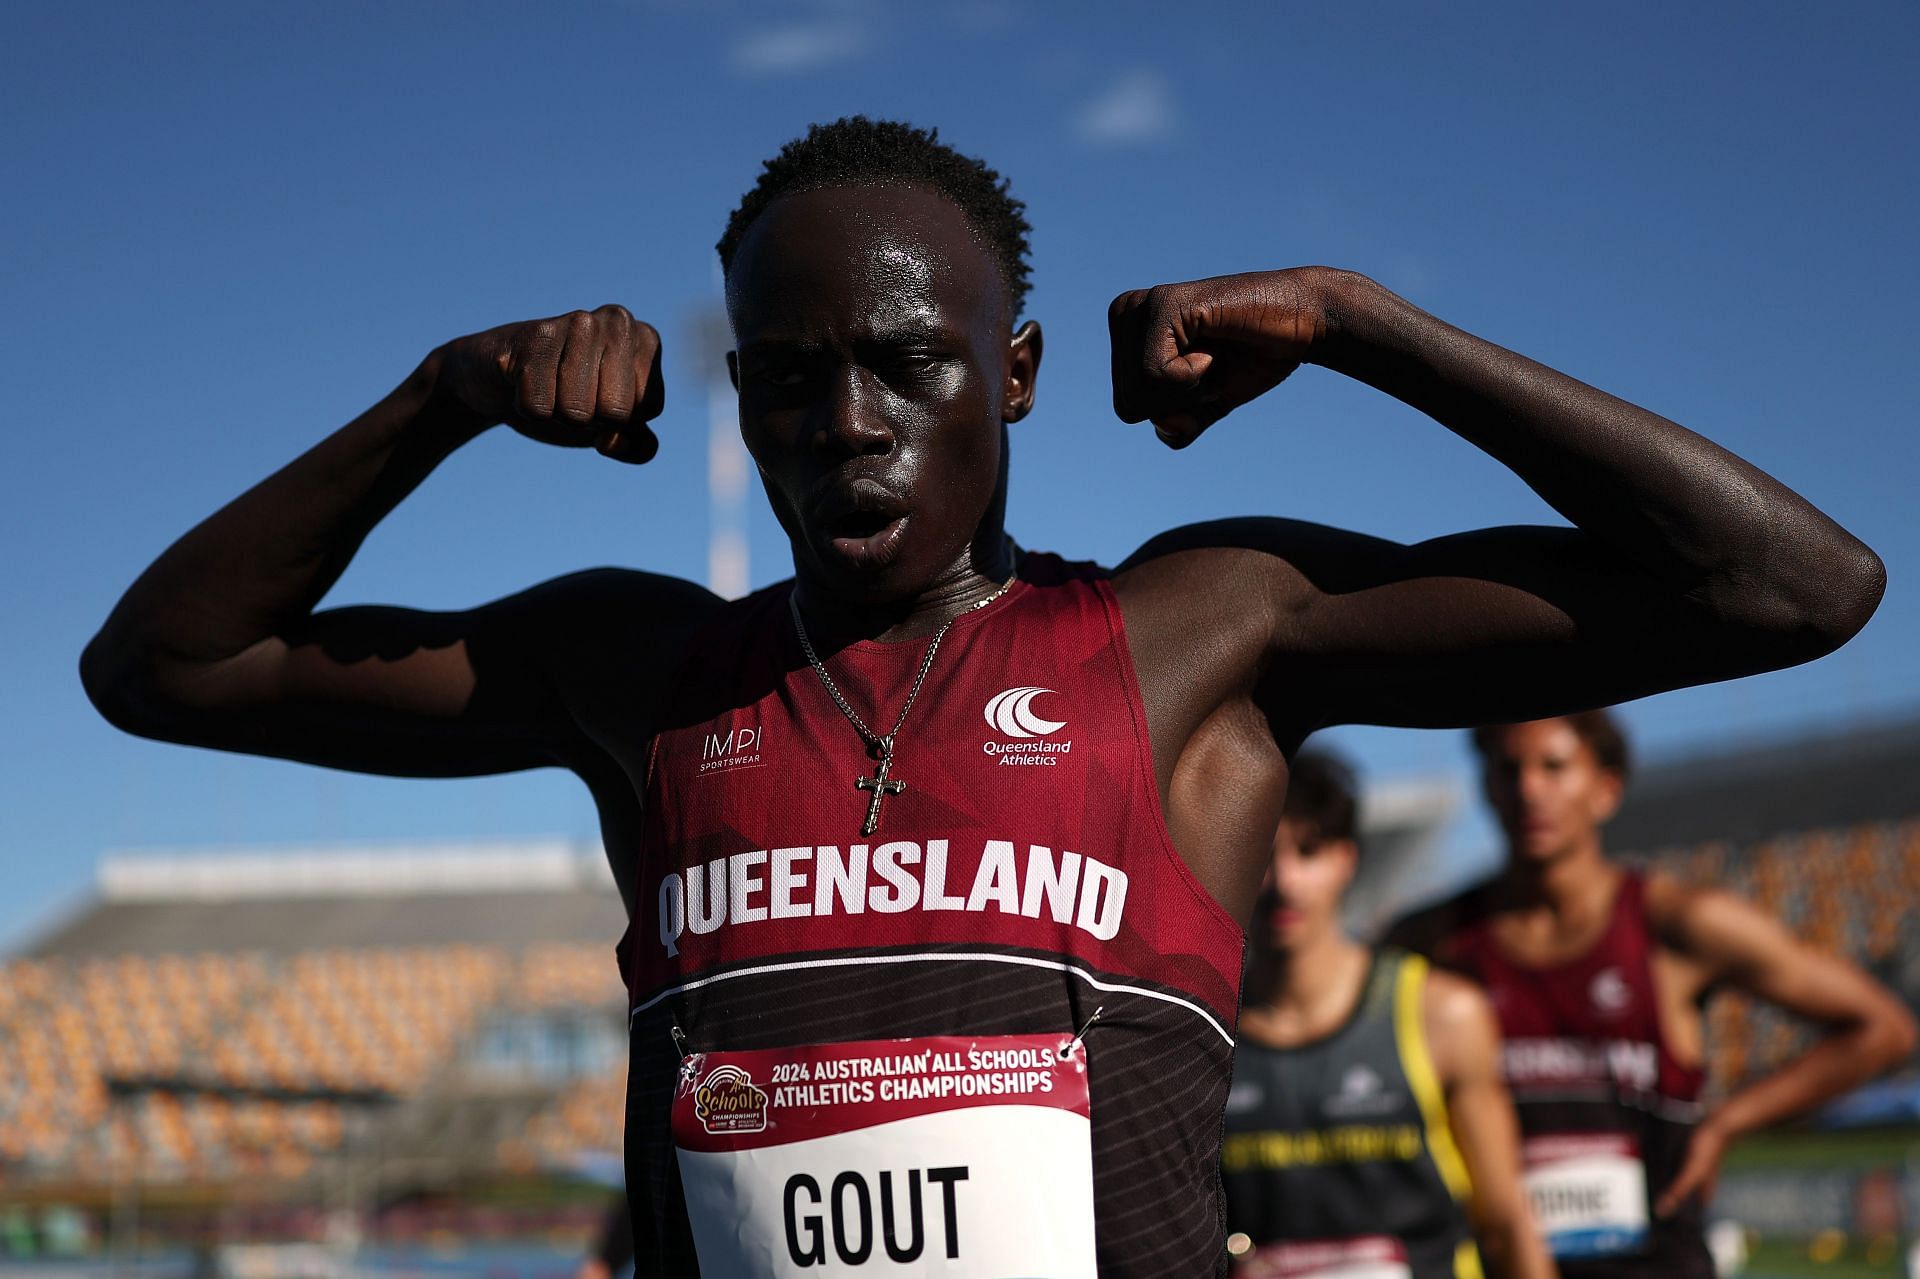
[[1367, 1124], [1599, 975]]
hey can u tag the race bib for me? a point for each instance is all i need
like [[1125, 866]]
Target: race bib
[[1589, 1192], [1370, 1257], [965, 1158]]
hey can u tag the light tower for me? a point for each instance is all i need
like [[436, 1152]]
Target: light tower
[[727, 563]]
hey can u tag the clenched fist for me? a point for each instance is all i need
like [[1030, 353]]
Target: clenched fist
[[584, 378], [1186, 355]]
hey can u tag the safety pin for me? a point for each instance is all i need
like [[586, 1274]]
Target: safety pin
[[1079, 1038]]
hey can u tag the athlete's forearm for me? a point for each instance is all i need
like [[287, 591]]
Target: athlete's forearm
[[1840, 1062], [1715, 528], [263, 561]]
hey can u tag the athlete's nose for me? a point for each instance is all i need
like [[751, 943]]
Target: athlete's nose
[[1531, 787], [848, 423]]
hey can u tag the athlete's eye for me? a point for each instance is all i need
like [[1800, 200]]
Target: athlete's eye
[[917, 370], [783, 375]]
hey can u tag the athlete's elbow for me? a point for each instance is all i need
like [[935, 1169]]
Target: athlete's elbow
[[1891, 1037], [101, 676], [120, 680], [1790, 618], [1839, 605]]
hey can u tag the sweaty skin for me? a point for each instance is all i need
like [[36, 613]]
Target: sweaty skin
[[879, 367], [1556, 896]]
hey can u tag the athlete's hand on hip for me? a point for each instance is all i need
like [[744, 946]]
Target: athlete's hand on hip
[[1700, 1172], [587, 378], [1186, 355]]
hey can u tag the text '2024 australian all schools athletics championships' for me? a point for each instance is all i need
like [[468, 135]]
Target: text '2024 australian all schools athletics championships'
[[812, 1161]]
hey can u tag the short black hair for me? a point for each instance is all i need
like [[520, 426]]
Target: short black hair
[[1597, 728], [1322, 796], [854, 151]]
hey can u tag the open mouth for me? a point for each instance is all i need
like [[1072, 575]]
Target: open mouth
[[858, 526], [863, 524]]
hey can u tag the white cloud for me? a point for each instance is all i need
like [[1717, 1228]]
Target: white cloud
[[804, 46], [1138, 107]]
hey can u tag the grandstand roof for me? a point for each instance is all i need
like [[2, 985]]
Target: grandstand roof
[[1865, 774], [281, 902]]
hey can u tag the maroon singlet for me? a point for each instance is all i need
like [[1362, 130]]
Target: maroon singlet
[[1588, 1064], [1023, 880]]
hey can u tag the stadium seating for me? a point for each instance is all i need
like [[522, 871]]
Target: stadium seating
[[196, 1067]]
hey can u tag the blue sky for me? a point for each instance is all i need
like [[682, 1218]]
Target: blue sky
[[231, 227]]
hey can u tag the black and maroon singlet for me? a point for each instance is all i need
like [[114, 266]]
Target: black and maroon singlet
[[1022, 881], [1606, 1110]]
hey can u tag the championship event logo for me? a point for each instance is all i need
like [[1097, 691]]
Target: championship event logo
[[727, 1100]]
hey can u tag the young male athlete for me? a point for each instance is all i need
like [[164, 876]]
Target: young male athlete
[[1368, 1130], [937, 789], [1599, 975]]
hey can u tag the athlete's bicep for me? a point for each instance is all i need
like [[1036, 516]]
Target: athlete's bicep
[[1742, 946], [412, 693], [1498, 624]]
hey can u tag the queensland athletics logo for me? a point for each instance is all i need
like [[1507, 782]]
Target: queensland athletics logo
[[728, 1100], [1023, 730], [1610, 992]]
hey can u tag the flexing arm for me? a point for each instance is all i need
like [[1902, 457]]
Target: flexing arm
[[1686, 564], [1464, 1038], [217, 643], [1867, 1029]]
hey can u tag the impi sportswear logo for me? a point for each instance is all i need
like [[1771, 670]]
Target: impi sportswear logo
[[739, 747], [1010, 713]]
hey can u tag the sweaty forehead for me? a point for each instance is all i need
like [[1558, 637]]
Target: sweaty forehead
[[863, 259]]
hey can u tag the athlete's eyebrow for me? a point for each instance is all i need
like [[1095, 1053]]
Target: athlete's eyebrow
[[783, 346], [911, 335], [894, 337]]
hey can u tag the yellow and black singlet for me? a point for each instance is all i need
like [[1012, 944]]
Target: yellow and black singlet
[[1338, 1159]]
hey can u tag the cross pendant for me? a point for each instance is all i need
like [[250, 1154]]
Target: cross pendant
[[881, 787]]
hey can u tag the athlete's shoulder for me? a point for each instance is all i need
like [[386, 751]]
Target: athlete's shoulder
[[1269, 536], [1456, 1003], [614, 589], [1463, 1031], [1249, 572], [1429, 930], [1046, 569], [591, 623], [1705, 921]]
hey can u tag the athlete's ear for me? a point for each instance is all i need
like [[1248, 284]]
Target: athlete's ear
[[1348, 853], [1023, 366], [1607, 794], [733, 369]]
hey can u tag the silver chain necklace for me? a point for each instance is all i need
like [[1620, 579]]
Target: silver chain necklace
[[879, 785]]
